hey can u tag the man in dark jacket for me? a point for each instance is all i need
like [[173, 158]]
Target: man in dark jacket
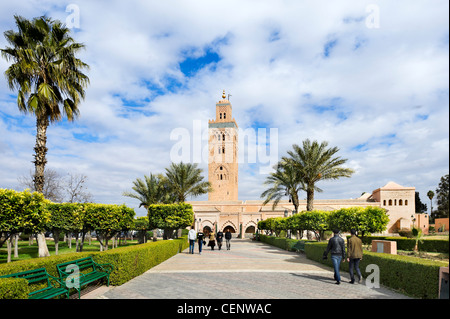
[[336, 246], [228, 238], [219, 238]]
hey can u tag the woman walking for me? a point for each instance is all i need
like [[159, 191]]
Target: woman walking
[[212, 241], [200, 237]]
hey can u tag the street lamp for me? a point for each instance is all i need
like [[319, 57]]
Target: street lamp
[[413, 220]]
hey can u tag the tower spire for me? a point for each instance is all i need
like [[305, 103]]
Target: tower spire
[[223, 94]]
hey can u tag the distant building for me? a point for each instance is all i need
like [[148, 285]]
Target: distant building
[[224, 211]]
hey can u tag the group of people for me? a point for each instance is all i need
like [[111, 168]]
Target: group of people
[[200, 237], [336, 246]]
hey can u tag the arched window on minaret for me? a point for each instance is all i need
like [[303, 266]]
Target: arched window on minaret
[[224, 115], [223, 137]]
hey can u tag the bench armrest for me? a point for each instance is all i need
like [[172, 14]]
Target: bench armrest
[[105, 267], [55, 279]]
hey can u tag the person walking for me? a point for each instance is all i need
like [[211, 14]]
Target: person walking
[[336, 246], [219, 238], [212, 241], [201, 238], [354, 255], [228, 238], [192, 236]]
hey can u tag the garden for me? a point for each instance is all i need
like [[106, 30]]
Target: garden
[[26, 215]]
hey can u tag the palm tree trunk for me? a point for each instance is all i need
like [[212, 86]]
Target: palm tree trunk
[[310, 199], [295, 201], [39, 166], [40, 152]]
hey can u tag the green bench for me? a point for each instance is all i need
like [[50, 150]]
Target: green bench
[[299, 246], [40, 277], [84, 270]]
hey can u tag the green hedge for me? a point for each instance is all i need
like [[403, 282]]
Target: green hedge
[[283, 243], [132, 261], [128, 262], [409, 275], [11, 288], [403, 243]]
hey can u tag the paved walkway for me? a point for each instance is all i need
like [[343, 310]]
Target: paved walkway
[[250, 270]]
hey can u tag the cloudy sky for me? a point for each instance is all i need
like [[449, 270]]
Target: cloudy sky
[[370, 77]]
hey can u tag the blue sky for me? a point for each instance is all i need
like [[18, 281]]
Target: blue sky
[[307, 69]]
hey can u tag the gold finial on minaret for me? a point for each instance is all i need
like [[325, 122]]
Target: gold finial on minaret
[[223, 94]]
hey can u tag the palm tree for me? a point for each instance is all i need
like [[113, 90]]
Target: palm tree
[[285, 181], [186, 180], [48, 78], [151, 190], [315, 162], [430, 195]]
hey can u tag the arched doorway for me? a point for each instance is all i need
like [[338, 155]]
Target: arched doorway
[[206, 231], [249, 231], [232, 230]]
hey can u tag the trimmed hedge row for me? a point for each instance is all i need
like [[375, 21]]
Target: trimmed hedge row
[[128, 263], [403, 243], [283, 243], [11, 288], [409, 275]]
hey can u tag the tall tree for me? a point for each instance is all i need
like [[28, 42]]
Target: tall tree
[[316, 162], [53, 184], [442, 194], [151, 190], [420, 207], [430, 195], [48, 78], [186, 180], [285, 181]]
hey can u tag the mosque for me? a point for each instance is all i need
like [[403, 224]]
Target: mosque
[[223, 210]]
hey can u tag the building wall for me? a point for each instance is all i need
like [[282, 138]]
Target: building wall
[[438, 222], [399, 201]]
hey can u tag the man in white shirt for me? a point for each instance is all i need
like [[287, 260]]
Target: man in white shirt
[[192, 236]]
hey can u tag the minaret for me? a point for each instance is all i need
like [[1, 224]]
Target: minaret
[[223, 151]]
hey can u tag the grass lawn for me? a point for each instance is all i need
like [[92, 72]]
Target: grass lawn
[[26, 251]]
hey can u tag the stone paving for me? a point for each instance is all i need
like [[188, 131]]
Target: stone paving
[[250, 270]]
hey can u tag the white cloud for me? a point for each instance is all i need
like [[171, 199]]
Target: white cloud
[[384, 89]]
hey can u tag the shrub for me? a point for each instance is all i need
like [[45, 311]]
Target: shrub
[[170, 217], [132, 261], [12, 288], [434, 245]]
